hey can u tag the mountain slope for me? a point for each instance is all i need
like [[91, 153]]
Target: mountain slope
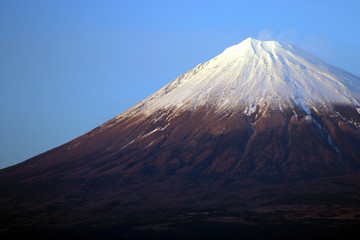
[[261, 115]]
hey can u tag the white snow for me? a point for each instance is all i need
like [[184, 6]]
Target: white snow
[[255, 74], [308, 118]]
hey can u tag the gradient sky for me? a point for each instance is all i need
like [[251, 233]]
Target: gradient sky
[[68, 66]]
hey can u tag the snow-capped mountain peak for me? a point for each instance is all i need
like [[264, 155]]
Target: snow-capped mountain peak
[[261, 117], [258, 73]]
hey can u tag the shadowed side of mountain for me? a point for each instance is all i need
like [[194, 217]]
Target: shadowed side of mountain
[[170, 153]]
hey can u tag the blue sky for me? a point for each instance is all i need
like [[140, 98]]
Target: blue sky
[[68, 66]]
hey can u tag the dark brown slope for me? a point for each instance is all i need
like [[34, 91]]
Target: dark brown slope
[[174, 160]]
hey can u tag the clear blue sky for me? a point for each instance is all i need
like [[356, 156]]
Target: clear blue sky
[[68, 66]]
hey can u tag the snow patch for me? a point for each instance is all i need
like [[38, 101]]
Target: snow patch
[[306, 109], [326, 135], [155, 130], [308, 118]]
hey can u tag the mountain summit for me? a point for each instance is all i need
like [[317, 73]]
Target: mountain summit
[[263, 74], [241, 131]]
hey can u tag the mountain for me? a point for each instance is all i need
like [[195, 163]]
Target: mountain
[[262, 126]]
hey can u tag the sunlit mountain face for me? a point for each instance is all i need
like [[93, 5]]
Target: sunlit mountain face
[[262, 139]]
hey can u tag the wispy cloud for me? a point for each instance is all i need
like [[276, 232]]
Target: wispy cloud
[[316, 44], [266, 35], [287, 36]]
